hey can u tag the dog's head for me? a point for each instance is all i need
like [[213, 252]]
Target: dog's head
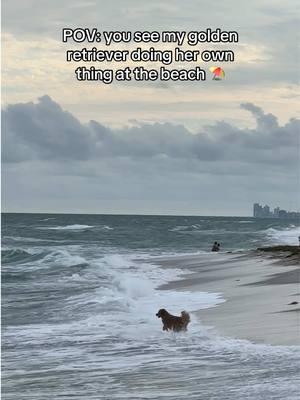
[[162, 313]]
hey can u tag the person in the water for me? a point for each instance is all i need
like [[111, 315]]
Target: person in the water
[[215, 247]]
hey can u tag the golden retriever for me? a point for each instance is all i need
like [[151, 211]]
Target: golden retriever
[[173, 323]]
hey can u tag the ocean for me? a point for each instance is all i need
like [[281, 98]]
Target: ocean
[[79, 297]]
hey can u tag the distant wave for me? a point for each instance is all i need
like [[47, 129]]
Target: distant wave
[[13, 255], [74, 227], [62, 257], [198, 229], [45, 256], [179, 228], [23, 239], [106, 227], [19, 255], [190, 228], [287, 236]]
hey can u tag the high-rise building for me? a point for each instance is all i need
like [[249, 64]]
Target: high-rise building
[[257, 210], [264, 212], [276, 212]]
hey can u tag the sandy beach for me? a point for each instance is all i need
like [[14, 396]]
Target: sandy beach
[[261, 289]]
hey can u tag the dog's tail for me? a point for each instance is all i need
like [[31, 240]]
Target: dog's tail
[[185, 317]]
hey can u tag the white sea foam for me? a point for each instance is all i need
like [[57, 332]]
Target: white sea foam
[[284, 236], [127, 291], [62, 257], [106, 227], [75, 227], [129, 300], [179, 228], [23, 239]]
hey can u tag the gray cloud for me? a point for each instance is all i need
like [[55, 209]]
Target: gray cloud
[[44, 131]]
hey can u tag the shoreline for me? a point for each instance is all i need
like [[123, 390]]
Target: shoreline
[[260, 288]]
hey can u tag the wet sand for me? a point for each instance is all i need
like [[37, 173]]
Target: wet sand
[[258, 290]]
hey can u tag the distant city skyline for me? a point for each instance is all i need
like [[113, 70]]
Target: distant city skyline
[[260, 211]]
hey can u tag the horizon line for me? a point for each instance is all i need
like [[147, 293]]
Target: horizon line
[[129, 214]]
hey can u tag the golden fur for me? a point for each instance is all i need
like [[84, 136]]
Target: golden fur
[[172, 322]]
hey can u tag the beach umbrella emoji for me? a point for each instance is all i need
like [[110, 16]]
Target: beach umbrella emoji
[[218, 73]]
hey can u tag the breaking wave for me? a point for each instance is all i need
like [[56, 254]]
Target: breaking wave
[[288, 235], [75, 227]]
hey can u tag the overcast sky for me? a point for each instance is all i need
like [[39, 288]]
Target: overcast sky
[[206, 148]]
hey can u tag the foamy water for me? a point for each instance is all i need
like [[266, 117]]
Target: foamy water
[[289, 235], [75, 227]]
